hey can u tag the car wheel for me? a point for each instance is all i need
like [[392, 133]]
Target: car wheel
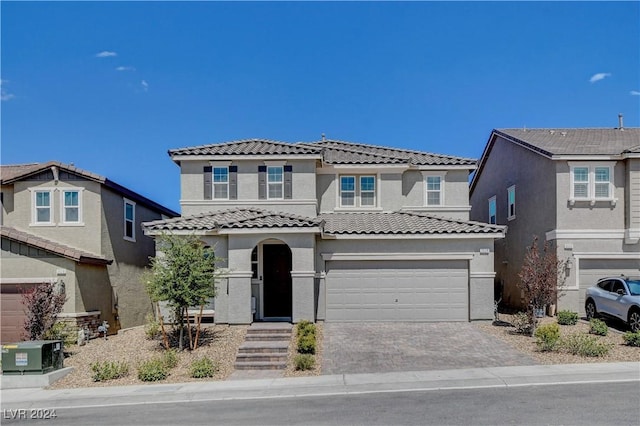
[[590, 309], [634, 320]]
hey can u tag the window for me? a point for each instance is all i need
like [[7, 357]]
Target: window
[[347, 191], [434, 190], [367, 191], [129, 220], [357, 191], [591, 182], [71, 206], [492, 210], [274, 182], [43, 207], [511, 197], [221, 183]]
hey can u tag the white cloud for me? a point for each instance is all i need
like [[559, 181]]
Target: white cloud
[[599, 76], [125, 69], [105, 54], [145, 85], [634, 93], [4, 96]]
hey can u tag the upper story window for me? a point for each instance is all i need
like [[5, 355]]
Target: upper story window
[[434, 190], [42, 207], [357, 191], [492, 210], [71, 206], [591, 182], [511, 202], [275, 182], [220, 183], [129, 220]]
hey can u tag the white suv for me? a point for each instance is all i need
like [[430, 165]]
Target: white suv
[[617, 297]]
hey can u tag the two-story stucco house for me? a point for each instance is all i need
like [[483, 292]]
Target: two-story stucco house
[[336, 231], [579, 188], [72, 227]]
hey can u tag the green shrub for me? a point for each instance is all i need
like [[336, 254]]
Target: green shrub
[[598, 327], [585, 345], [522, 322], [547, 337], [108, 370], [304, 362], [170, 358], [631, 338], [567, 317], [151, 327], [202, 367], [153, 370], [306, 327], [62, 331], [307, 344]]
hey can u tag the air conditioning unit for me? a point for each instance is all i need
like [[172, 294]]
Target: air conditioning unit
[[33, 357]]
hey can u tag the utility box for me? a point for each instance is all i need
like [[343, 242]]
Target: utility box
[[33, 357]]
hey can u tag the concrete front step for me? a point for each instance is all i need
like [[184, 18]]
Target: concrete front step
[[262, 356], [252, 337], [261, 347], [266, 365], [271, 326]]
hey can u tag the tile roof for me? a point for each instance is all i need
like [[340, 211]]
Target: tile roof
[[248, 147], [238, 218], [11, 173], [332, 151], [341, 152], [604, 141], [53, 247], [401, 223]]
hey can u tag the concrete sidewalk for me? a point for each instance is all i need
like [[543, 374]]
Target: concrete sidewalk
[[492, 377]]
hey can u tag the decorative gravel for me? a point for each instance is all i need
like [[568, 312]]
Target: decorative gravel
[[219, 342], [526, 344], [291, 367]]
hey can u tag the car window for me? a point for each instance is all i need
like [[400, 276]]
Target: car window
[[605, 285], [617, 285], [634, 287]]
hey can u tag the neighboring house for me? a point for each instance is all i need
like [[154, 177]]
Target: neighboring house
[[336, 231], [578, 188], [77, 229]]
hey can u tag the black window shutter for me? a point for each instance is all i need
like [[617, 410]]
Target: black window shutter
[[207, 183], [233, 182], [288, 187], [262, 182]]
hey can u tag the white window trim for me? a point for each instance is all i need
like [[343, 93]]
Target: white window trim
[[355, 187], [441, 175], [281, 183], [495, 209], [214, 183], [62, 207], [591, 182], [510, 189], [124, 220], [357, 191], [375, 191], [34, 214]]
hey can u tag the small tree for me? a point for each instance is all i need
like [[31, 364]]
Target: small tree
[[541, 276], [42, 305], [183, 274]]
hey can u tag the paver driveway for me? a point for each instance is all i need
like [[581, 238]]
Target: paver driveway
[[394, 346]]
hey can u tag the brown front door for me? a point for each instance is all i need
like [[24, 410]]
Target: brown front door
[[276, 269]]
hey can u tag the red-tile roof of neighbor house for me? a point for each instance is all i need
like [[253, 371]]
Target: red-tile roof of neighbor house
[[331, 152], [53, 246], [604, 141], [11, 173], [238, 218], [401, 223]]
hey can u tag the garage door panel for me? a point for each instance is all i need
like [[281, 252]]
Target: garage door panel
[[397, 291]]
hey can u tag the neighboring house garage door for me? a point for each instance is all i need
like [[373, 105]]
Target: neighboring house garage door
[[591, 270], [397, 290], [13, 315]]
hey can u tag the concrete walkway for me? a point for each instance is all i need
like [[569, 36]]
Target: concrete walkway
[[347, 384], [401, 346]]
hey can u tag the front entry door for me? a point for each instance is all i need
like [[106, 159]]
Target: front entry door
[[276, 269]]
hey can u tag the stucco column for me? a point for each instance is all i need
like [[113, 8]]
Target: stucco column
[[239, 297], [481, 295], [221, 315], [302, 289]]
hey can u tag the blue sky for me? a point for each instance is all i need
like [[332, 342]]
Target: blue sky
[[112, 86]]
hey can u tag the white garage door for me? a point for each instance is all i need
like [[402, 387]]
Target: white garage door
[[397, 291], [591, 270]]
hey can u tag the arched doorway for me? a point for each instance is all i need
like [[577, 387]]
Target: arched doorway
[[276, 280]]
